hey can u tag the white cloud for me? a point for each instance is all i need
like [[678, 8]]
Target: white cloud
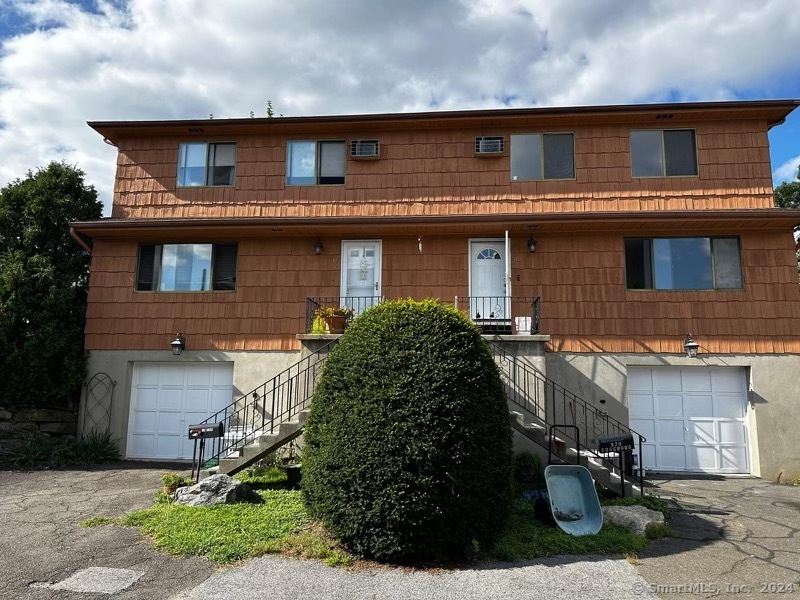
[[787, 171], [163, 59]]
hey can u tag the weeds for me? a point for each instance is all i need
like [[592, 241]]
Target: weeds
[[45, 452]]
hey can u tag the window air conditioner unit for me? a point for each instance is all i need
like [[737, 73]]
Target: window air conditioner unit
[[489, 145], [365, 148]]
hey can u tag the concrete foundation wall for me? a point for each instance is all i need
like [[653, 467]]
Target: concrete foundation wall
[[773, 392], [250, 369]]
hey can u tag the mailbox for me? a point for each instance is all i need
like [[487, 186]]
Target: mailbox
[[206, 430], [615, 443]]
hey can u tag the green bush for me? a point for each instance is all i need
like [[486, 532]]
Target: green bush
[[528, 473], [54, 452], [408, 447]]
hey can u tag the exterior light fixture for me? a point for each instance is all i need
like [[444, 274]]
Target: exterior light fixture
[[178, 344], [532, 244], [690, 346], [318, 247]]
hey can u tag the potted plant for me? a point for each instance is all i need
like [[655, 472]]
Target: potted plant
[[335, 317]]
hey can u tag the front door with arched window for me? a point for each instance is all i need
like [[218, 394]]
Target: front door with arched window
[[487, 282]]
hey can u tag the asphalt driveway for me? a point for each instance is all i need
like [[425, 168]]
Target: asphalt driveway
[[735, 537]]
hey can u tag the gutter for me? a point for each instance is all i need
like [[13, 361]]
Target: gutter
[[81, 243]]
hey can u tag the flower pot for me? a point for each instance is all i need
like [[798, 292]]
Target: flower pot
[[335, 323], [293, 475]]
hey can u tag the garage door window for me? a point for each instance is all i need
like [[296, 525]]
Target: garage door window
[[186, 267], [683, 263]]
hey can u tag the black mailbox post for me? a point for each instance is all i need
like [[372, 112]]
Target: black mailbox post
[[621, 443], [202, 432]]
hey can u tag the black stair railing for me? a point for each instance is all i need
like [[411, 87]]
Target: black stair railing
[[502, 314], [261, 410], [552, 404]]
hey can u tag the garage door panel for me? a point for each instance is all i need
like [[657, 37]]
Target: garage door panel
[[667, 380], [672, 457], [727, 380], [732, 457], [175, 396], [729, 406], [702, 432], [694, 418], [199, 375], [699, 406], [703, 458], [646, 427], [641, 405], [172, 376], [669, 405], [640, 380], [696, 380], [670, 431], [732, 432]]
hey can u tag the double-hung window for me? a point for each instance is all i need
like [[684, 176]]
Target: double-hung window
[[186, 267], [201, 164], [314, 162], [663, 152], [537, 156], [683, 263]]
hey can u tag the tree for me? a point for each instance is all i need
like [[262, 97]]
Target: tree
[[787, 195], [43, 286], [407, 450]]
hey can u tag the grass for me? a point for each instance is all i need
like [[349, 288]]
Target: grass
[[53, 452], [651, 502], [526, 537], [233, 532]]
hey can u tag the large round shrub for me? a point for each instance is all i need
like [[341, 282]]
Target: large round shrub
[[408, 446]]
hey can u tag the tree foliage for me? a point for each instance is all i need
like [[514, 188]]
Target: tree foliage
[[407, 452], [787, 194], [43, 286]]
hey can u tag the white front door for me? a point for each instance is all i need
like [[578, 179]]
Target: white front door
[[694, 418], [361, 273], [168, 397], [487, 281]]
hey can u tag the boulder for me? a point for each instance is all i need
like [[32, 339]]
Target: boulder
[[217, 489], [636, 518]]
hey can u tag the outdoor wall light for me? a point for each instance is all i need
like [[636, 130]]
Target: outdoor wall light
[[690, 346], [178, 344], [318, 247], [532, 244]]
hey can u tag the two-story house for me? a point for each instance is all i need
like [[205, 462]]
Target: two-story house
[[594, 240]]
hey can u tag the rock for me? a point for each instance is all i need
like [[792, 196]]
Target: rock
[[44, 415], [636, 518], [64, 428], [217, 489], [5, 415]]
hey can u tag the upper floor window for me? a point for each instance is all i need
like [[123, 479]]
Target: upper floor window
[[186, 267], [683, 263], [201, 163], [314, 163], [536, 156], [663, 152]]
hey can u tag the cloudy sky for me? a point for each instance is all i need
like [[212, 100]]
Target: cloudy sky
[[63, 62]]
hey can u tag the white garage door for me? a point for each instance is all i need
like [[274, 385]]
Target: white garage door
[[694, 418], [167, 398]]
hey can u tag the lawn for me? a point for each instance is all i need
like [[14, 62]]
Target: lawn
[[228, 533]]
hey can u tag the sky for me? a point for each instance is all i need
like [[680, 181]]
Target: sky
[[65, 62]]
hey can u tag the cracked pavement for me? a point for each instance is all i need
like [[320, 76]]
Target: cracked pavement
[[42, 542], [737, 537]]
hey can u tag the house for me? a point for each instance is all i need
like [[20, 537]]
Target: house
[[597, 244]]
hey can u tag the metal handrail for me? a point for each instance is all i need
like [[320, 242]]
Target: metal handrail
[[273, 402], [502, 314], [532, 390], [352, 305]]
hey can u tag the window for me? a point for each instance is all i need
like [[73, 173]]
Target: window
[[206, 164], [685, 263], [314, 163], [659, 153], [536, 156], [186, 267]]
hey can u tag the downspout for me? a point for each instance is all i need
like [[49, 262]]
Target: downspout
[[508, 266], [81, 243]]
